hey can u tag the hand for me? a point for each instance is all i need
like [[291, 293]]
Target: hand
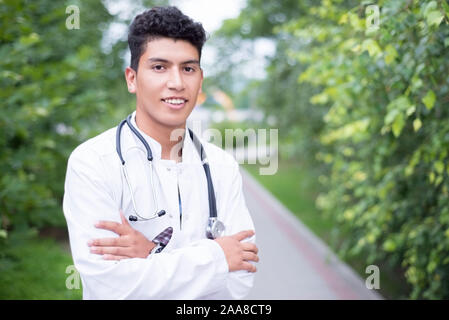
[[130, 243], [239, 253]]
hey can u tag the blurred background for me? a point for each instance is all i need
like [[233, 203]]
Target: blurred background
[[361, 106]]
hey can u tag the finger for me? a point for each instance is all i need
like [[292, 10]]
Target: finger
[[248, 246], [108, 242], [124, 220], [249, 256], [114, 257], [248, 267], [111, 226], [116, 251], [243, 235]]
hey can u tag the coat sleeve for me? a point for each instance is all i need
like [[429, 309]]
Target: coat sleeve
[[194, 271], [236, 217]]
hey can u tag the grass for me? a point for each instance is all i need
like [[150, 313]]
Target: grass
[[297, 188], [33, 268]]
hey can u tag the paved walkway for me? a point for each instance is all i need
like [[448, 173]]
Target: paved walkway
[[294, 263]]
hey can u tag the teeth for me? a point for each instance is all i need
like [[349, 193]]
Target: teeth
[[175, 101]]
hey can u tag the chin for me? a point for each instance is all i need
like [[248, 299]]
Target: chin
[[173, 122]]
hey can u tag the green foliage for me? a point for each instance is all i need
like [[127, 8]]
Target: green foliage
[[55, 90], [58, 87], [371, 106], [386, 133]]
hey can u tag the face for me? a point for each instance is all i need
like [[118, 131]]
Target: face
[[167, 83]]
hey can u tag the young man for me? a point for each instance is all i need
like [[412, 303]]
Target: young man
[[109, 206]]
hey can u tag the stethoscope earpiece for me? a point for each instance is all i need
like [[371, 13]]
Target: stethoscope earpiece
[[156, 215]]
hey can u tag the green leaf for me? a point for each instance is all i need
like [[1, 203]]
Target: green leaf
[[389, 245], [429, 99], [398, 124], [3, 234], [432, 14], [432, 5], [410, 111], [431, 266], [390, 54], [29, 39], [417, 124], [372, 47], [416, 83], [401, 103], [434, 18], [439, 166], [445, 7], [432, 177], [320, 98], [391, 115]]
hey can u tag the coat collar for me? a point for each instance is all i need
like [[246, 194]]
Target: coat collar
[[130, 141]]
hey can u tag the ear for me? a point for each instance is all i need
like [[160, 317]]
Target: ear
[[131, 78], [199, 95], [201, 84]]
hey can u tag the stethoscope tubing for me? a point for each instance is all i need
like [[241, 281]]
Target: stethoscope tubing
[[203, 157], [125, 170]]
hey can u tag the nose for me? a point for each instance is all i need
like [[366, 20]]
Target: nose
[[175, 82]]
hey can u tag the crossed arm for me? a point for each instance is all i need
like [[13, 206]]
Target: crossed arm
[[89, 197], [133, 244]]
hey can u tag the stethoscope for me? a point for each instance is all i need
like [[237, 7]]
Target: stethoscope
[[214, 227]]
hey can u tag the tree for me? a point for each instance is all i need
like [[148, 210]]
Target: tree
[[375, 102], [58, 88]]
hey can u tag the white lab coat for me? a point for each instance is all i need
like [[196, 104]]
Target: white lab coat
[[191, 266]]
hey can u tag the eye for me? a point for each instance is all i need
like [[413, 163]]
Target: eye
[[158, 67], [189, 69]]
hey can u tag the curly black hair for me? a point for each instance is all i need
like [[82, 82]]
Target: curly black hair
[[160, 22]]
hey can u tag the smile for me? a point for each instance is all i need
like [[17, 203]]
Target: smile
[[175, 103]]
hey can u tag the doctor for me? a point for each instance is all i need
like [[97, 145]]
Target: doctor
[[111, 213]]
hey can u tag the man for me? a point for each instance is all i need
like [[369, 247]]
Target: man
[[121, 259]]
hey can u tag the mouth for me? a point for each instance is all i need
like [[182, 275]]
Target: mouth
[[175, 102]]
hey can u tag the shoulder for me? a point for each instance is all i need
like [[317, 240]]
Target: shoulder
[[96, 147], [223, 165], [217, 156]]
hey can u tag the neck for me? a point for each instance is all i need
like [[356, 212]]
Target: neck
[[170, 149]]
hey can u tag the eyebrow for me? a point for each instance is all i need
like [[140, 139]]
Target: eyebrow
[[166, 61]]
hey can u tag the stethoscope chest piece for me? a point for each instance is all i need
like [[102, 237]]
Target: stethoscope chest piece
[[215, 228]]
